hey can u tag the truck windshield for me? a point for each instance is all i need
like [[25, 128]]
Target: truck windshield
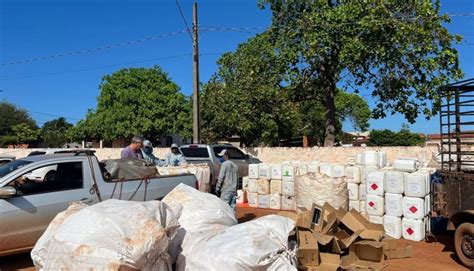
[[195, 152], [12, 166]]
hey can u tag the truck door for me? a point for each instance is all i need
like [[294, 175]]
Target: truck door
[[239, 158], [24, 218]]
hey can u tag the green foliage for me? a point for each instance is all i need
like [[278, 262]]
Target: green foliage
[[11, 115], [24, 133], [389, 138], [399, 49], [137, 101], [7, 140], [54, 132]]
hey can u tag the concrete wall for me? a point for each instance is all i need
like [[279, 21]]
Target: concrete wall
[[277, 155]]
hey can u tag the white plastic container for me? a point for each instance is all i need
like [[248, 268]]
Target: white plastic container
[[416, 184], [263, 187], [393, 204], [288, 188], [263, 201], [362, 191], [313, 167], [394, 182], [325, 169], [358, 159], [301, 169], [413, 208], [354, 204], [338, 170], [413, 229], [353, 190], [264, 171], [375, 183], [253, 199], [427, 204], [352, 174], [382, 159], [288, 203], [241, 196], [365, 171], [376, 219], [252, 187], [362, 206], [392, 226], [275, 187], [245, 183], [288, 173], [253, 171], [375, 205], [370, 158], [275, 202], [405, 164], [276, 172]]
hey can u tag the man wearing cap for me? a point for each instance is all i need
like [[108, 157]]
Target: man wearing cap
[[174, 158], [227, 181], [147, 153], [133, 150]]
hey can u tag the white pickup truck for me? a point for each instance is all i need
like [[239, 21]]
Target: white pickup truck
[[27, 207]]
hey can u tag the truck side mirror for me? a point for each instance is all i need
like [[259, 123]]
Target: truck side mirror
[[7, 192]]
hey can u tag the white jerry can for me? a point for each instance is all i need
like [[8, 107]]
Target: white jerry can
[[276, 172], [362, 191], [252, 187], [338, 170], [263, 187], [288, 188], [394, 182], [288, 203], [382, 159], [253, 171], [353, 190], [325, 169], [253, 199], [370, 158], [393, 204], [427, 204], [263, 201], [376, 219], [365, 172], [354, 204], [375, 182], [352, 174], [275, 187], [264, 171], [393, 226], [275, 202], [288, 173], [313, 167], [405, 164], [375, 205], [245, 183], [413, 208], [362, 207], [413, 229], [416, 184]]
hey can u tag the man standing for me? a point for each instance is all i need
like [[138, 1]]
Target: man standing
[[134, 149], [227, 181], [174, 158]]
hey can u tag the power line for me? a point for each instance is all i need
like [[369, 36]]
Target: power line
[[184, 20], [52, 115], [96, 49]]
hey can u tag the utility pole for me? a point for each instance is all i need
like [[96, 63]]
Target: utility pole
[[196, 114]]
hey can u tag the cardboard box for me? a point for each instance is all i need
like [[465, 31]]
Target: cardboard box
[[328, 243], [365, 254], [392, 251], [317, 215], [356, 222], [329, 262], [308, 252], [304, 218]]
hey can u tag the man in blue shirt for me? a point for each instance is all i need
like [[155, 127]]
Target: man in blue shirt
[[134, 149], [175, 158]]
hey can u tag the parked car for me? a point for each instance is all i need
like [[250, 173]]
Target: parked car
[[201, 153], [45, 173], [27, 207], [6, 158]]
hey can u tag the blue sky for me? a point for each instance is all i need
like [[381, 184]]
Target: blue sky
[[68, 86]]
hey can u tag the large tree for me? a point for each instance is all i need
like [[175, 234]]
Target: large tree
[[398, 50], [134, 101], [11, 115], [55, 132]]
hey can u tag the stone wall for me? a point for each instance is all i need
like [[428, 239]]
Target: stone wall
[[277, 155]]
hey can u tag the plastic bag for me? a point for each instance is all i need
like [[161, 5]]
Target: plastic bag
[[316, 188]]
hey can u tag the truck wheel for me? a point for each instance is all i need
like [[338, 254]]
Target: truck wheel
[[464, 244]]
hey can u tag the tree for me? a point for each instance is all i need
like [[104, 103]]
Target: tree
[[54, 132], [398, 49], [137, 101], [24, 133], [11, 115], [389, 138]]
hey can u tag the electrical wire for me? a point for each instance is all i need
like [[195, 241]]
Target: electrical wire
[[184, 20]]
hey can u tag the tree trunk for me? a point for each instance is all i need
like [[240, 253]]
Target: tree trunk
[[330, 116]]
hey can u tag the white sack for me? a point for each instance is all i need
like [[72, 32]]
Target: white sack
[[320, 189]]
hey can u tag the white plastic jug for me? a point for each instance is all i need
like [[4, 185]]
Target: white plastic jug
[[365, 171], [253, 199], [362, 206], [240, 196], [245, 183], [352, 174], [288, 173], [275, 202], [353, 190], [375, 205], [405, 164], [313, 167], [413, 229], [393, 204], [427, 204], [326, 169], [263, 187], [275, 187], [354, 204], [413, 208], [253, 171], [375, 183], [264, 171], [288, 188], [276, 172], [252, 187], [358, 159], [394, 182], [263, 201], [370, 158], [376, 219], [338, 170], [416, 184], [362, 191], [288, 203], [382, 159], [392, 226]]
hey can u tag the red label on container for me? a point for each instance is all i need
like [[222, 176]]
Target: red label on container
[[371, 204], [410, 231], [374, 186], [413, 209]]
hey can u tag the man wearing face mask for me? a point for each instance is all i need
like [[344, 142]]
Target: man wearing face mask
[[147, 153], [174, 158]]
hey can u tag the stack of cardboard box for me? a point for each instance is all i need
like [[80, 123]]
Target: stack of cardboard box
[[329, 239]]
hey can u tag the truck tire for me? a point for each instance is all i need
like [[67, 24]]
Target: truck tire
[[464, 244]]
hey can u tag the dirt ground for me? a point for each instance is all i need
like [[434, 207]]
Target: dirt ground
[[433, 256]]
